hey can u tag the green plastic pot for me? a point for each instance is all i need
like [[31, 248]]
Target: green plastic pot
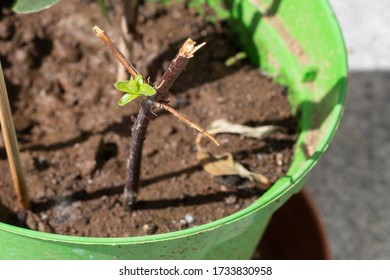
[[299, 43]]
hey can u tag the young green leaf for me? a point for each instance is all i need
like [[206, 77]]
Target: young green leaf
[[139, 80], [241, 55], [29, 6], [127, 98], [127, 86], [133, 88], [147, 90], [234, 59]]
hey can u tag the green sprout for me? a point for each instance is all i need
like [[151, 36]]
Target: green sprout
[[134, 88], [234, 59], [28, 6]]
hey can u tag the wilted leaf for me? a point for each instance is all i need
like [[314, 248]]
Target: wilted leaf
[[127, 98], [224, 126], [224, 164]]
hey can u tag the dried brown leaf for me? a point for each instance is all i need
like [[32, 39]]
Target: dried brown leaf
[[224, 164], [224, 126]]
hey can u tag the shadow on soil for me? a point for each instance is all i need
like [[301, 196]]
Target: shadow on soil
[[82, 195]]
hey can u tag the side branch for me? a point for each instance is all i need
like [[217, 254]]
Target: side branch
[[122, 59], [187, 121]]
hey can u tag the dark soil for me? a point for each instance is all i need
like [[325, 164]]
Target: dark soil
[[74, 138]]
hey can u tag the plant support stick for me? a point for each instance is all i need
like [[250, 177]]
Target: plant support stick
[[11, 146]]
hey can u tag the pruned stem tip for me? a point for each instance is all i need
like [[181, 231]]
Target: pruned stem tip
[[122, 59]]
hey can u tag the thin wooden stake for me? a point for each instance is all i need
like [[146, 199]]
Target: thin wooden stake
[[11, 146]]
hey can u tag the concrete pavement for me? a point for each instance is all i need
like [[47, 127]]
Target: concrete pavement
[[351, 183]]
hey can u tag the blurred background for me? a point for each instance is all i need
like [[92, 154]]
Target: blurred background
[[351, 184]]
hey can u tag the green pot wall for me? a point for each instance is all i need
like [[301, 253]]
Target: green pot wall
[[299, 43]]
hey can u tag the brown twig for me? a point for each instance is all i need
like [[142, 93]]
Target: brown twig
[[141, 123], [187, 121], [11, 146], [122, 59], [175, 68], [138, 133]]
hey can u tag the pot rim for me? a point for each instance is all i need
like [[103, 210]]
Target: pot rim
[[283, 186]]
